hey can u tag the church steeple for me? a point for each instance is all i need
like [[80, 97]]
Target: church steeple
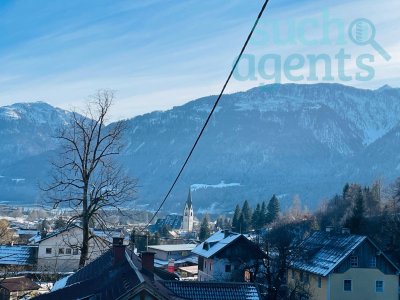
[[189, 199], [187, 224]]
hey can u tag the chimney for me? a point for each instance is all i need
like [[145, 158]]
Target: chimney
[[148, 262], [118, 249], [226, 233]]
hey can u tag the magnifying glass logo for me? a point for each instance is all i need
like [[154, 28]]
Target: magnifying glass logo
[[362, 32]]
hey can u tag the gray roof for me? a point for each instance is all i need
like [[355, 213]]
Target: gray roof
[[323, 251], [100, 280], [201, 290], [171, 248], [18, 255]]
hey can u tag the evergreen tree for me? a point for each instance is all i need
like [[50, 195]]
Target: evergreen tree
[[345, 190], [273, 209], [357, 218], [263, 214], [255, 221], [204, 229], [245, 217], [235, 219]]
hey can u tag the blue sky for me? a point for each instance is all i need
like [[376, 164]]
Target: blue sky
[[158, 54]]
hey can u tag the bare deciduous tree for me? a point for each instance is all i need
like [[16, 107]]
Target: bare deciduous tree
[[86, 178]]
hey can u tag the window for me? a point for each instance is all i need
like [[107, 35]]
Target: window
[[347, 285], [319, 282], [75, 251], [379, 286], [227, 268], [292, 274], [354, 261], [60, 250], [372, 262], [301, 277], [48, 250], [68, 251]]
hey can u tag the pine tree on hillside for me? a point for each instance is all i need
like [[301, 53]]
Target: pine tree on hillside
[[358, 214], [263, 214], [235, 219], [345, 190], [255, 221], [204, 229], [273, 209], [245, 217]]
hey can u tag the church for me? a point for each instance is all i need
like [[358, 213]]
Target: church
[[187, 223], [177, 222]]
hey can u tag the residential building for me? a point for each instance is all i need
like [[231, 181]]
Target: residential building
[[188, 217], [343, 266], [59, 251], [14, 288], [18, 257], [24, 234], [180, 255], [227, 256], [120, 274]]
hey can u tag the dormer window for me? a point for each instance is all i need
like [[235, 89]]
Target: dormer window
[[354, 261], [206, 246]]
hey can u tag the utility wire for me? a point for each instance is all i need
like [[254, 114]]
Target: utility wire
[[209, 115]]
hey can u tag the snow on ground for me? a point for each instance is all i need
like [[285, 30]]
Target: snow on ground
[[222, 184]]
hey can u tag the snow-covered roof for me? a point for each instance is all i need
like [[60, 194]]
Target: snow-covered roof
[[216, 243], [21, 231], [213, 290], [171, 248], [59, 284], [323, 251], [17, 255]]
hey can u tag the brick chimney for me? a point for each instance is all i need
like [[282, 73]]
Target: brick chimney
[[118, 249], [148, 262]]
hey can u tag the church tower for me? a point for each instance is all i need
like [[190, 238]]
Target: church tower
[[187, 224]]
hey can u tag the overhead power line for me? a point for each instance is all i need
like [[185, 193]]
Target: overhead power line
[[209, 115]]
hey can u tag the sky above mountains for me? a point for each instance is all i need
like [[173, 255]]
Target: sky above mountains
[[157, 54]]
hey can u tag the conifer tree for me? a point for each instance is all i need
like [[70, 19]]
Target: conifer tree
[[273, 209], [263, 214], [256, 220], [204, 229], [235, 219], [357, 218], [245, 217]]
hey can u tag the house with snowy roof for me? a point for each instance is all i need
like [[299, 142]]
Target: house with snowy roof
[[59, 251], [333, 265], [227, 256], [19, 257], [120, 274]]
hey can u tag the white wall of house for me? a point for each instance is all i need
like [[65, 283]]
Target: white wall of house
[[60, 253], [216, 270]]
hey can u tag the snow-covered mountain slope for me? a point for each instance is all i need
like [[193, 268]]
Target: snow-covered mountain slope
[[284, 139]]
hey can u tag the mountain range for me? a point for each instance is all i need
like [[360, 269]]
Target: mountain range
[[282, 139]]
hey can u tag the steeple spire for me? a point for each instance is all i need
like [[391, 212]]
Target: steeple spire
[[189, 199]]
